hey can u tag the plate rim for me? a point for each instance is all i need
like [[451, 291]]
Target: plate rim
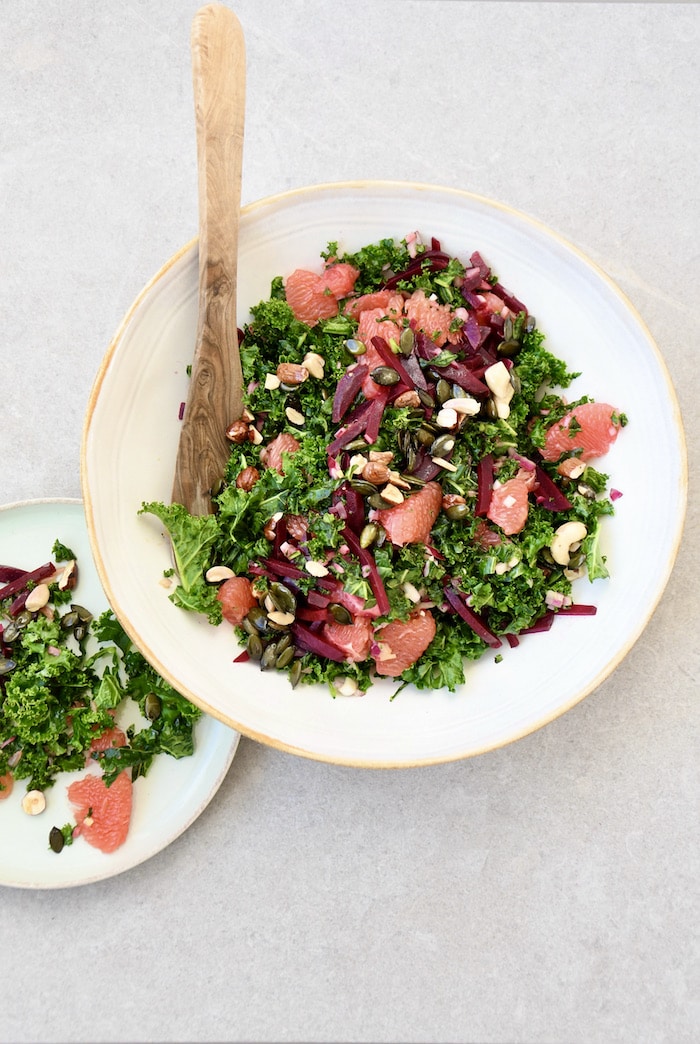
[[216, 783], [543, 229]]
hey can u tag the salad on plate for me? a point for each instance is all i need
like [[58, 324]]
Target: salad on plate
[[408, 488]]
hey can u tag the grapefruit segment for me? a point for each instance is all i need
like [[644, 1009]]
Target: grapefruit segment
[[237, 599], [412, 521], [7, 782], [271, 455], [354, 639], [591, 428], [431, 317], [402, 642], [102, 813], [314, 297], [509, 505]]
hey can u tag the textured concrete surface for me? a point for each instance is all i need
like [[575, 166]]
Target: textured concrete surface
[[547, 891]]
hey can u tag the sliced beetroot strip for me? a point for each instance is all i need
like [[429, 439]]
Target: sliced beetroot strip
[[549, 495], [346, 435], [346, 390], [355, 507], [374, 418], [424, 347], [460, 374], [512, 640], [484, 479], [318, 600], [310, 641], [20, 582], [413, 369], [286, 569], [375, 580], [18, 604], [9, 573], [392, 360], [543, 624], [473, 619], [425, 468], [311, 615], [578, 609], [433, 260]]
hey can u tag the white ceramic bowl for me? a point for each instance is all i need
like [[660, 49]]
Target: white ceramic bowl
[[131, 435]]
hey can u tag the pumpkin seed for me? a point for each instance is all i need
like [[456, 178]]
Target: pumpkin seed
[[586, 491], [369, 534], [268, 657], [363, 487], [442, 445], [11, 632], [406, 341], [254, 647], [295, 673], [413, 480], [385, 376], [285, 657], [56, 840], [339, 613], [356, 444], [258, 617], [6, 665], [508, 347], [378, 502], [530, 324], [443, 390], [508, 329], [25, 617], [426, 398], [68, 621], [425, 437], [84, 614], [411, 458], [152, 706], [355, 347], [249, 627], [284, 643], [457, 512], [79, 631], [282, 598]]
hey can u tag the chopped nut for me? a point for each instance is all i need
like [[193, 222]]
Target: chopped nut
[[292, 373], [33, 802], [464, 404], [282, 619], [447, 418], [446, 465], [571, 468], [254, 435], [411, 592], [407, 398], [272, 382], [346, 686], [218, 573], [37, 598], [314, 363], [381, 456], [316, 568], [294, 417], [69, 576], [566, 539], [375, 472], [237, 432], [392, 494], [451, 500], [247, 478]]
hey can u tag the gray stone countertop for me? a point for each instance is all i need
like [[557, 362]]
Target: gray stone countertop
[[547, 891]]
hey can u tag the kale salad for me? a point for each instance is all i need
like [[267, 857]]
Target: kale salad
[[408, 487]]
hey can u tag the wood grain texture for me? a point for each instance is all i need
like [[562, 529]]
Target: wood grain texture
[[216, 394]]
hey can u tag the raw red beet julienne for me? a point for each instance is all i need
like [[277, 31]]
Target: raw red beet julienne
[[408, 487]]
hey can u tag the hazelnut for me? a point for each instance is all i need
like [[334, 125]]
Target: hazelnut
[[292, 373], [237, 432], [247, 478]]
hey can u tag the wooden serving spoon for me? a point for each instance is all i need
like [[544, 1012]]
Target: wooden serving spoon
[[215, 396]]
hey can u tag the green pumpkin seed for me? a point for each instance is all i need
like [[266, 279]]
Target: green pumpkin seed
[[363, 487], [268, 657], [443, 390], [152, 706], [413, 480], [295, 673], [23, 618], [508, 347], [457, 512], [340, 614], [378, 502], [69, 620], [254, 647], [285, 657], [355, 347], [530, 324], [248, 626], [369, 534], [11, 632], [491, 409], [6, 666], [442, 445], [385, 376], [258, 617], [426, 398], [356, 444], [285, 642], [586, 491], [282, 598], [80, 631], [406, 341], [84, 614], [56, 840], [411, 458], [508, 329], [425, 437]]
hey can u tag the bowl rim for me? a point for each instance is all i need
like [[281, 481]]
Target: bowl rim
[[368, 185]]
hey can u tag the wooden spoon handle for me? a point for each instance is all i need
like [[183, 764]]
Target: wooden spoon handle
[[215, 397]]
